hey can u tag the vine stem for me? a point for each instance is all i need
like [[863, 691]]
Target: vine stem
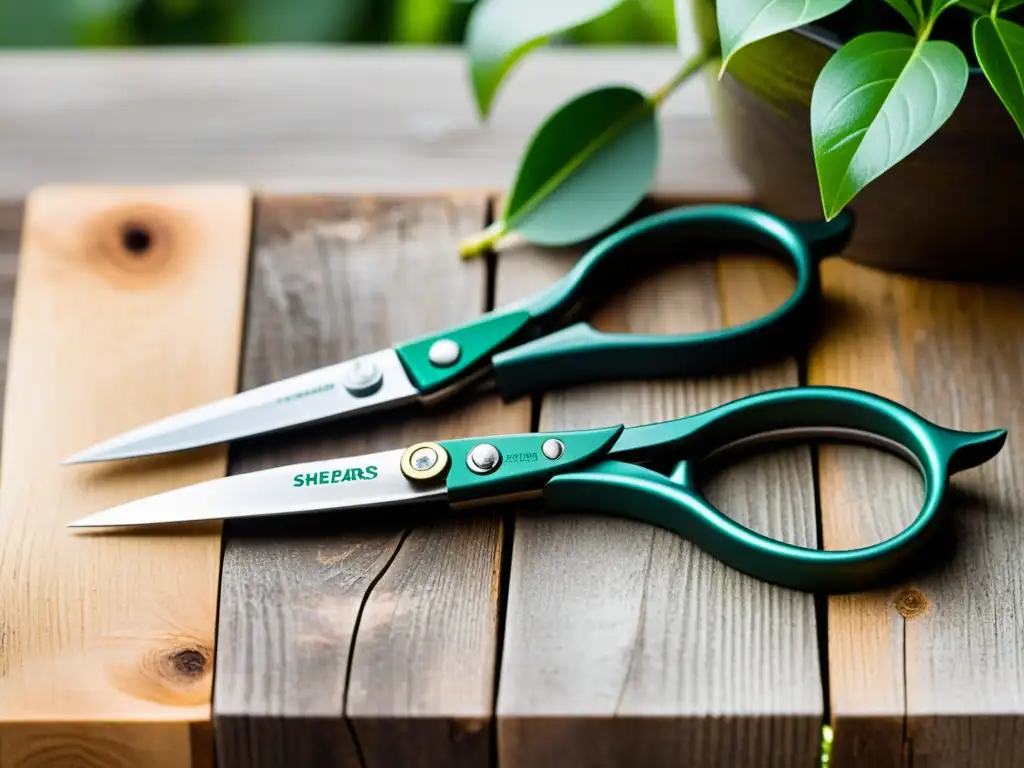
[[477, 244], [692, 65], [489, 237]]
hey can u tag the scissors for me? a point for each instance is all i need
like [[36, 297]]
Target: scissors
[[536, 344], [615, 470], [645, 472]]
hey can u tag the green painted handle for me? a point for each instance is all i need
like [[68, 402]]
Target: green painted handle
[[523, 466], [615, 486], [477, 340], [579, 354]]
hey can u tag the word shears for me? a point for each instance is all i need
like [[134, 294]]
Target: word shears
[[646, 472]]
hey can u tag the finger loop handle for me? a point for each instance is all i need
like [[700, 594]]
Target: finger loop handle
[[579, 354], [675, 503]]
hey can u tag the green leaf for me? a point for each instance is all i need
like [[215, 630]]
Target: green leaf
[[587, 166], [742, 22], [999, 45], [500, 32], [876, 100]]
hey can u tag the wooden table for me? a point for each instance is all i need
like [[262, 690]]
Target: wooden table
[[506, 636]]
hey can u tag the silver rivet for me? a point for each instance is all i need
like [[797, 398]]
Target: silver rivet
[[483, 459], [444, 352], [552, 448], [423, 459], [362, 378]]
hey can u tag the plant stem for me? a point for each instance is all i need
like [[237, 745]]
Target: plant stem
[[692, 65], [827, 737], [480, 242], [923, 35], [489, 237]]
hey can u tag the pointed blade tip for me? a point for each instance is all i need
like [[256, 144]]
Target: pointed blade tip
[[84, 457]]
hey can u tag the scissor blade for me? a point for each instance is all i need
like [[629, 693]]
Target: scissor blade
[[351, 482], [302, 399]]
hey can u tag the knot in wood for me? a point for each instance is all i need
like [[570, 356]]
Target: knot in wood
[[175, 671], [135, 245], [136, 239], [188, 662], [911, 603]]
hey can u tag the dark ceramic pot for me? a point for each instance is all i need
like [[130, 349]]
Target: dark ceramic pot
[[952, 209]]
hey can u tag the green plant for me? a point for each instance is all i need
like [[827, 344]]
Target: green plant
[[898, 75]]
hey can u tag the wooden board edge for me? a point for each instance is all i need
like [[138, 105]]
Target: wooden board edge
[[183, 735]]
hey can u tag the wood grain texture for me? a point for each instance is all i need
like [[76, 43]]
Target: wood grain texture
[[10, 242], [350, 120], [393, 619], [931, 672], [107, 654], [624, 644]]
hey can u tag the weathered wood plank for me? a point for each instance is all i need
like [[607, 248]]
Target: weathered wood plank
[[625, 644], [939, 655], [108, 640], [395, 618], [350, 120]]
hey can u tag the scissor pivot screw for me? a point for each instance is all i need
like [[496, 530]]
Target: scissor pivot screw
[[444, 352], [362, 378], [483, 459], [424, 461], [552, 448]]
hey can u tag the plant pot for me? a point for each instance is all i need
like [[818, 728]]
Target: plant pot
[[951, 209]]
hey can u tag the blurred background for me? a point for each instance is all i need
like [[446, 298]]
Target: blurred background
[[120, 23]]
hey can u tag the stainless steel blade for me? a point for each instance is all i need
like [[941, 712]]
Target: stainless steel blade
[[325, 393], [352, 482]]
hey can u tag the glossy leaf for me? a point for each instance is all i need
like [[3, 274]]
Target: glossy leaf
[[586, 167], [742, 22], [999, 45], [876, 100], [500, 32]]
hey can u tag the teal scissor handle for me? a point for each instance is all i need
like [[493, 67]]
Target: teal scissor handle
[[614, 471], [533, 347]]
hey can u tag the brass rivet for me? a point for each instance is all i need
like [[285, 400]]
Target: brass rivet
[[424, 461]]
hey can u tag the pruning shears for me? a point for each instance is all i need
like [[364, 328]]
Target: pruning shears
[[646, 472]]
